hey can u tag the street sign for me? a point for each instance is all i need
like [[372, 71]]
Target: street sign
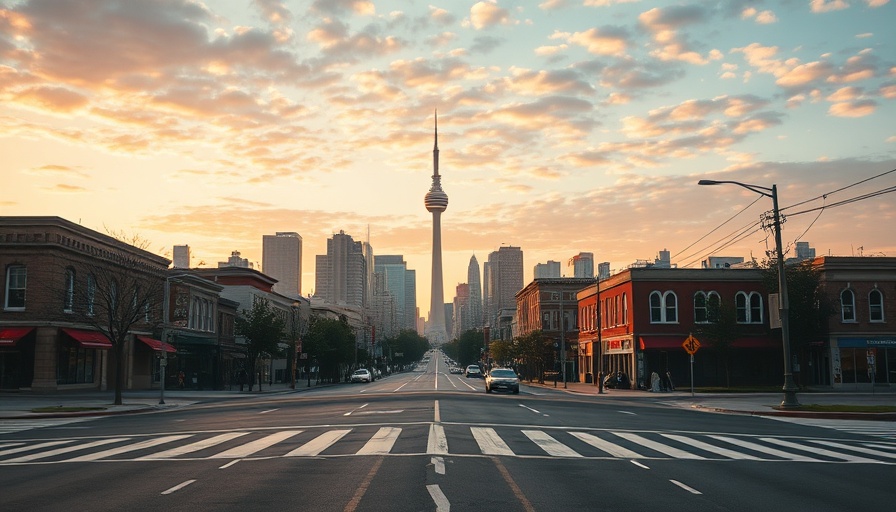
[[691, 345]]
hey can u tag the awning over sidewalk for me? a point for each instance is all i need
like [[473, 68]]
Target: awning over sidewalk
[[89, 339], [10, 335], [157, 345]]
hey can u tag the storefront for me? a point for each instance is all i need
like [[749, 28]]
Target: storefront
[[862, 362], [16, 357]]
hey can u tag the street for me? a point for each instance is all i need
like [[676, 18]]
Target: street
[[430, 440]]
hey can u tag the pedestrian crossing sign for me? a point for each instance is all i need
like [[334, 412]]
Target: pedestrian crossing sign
[[691, 345]]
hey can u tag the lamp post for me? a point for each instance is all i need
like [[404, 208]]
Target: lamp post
[[295, 345], [600, 342], [790, 401], [562, 341]]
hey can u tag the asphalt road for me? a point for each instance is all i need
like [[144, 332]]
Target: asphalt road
[[431, 440]]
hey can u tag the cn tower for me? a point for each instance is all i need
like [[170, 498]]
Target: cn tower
[[436, 201]]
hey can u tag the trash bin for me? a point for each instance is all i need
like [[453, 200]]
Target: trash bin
[[589, 378]]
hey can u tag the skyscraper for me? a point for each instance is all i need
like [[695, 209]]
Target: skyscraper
[[505, 278], [548, 270], [397, 281], [582, 264], [281, 258], [436, 202], [181, 256], [475, 311], [341, 274]]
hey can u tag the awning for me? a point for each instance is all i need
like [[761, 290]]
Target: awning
[[661, 342], [186, 339], [89, 339], [157, 345], [10, 335]]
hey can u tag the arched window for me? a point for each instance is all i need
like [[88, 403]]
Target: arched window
[[701, 315], [847, 306], [876, 306], [749, 307], [68, 302], [91, 293], [663, 307]]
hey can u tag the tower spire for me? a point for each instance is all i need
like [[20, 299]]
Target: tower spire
[[435, 148]]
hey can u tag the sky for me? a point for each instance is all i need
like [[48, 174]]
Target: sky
[[565, 126]]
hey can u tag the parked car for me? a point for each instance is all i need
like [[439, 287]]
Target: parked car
[[362, 375], [473, 371], [502, 378]]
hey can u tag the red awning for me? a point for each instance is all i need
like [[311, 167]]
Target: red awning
[[89, 339], [10, 335], [157, 345], [661, 342]]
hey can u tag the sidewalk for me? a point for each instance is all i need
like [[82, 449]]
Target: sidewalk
[[757, 404]]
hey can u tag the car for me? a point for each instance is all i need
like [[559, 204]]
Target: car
[[473, 371], [502, 378], [456, 370], [362, 375]]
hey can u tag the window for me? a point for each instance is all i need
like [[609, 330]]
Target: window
[[876, 306], [91, 293], [701, 315], [15, 287], [847, 306], [749, 307], [624, 309], [68, 301], [663, 307], [75, 364]]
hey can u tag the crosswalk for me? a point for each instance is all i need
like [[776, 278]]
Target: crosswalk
[[884, 429], [459, 440], [9, 426]]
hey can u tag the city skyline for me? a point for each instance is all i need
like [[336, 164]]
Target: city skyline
[[567, 126]]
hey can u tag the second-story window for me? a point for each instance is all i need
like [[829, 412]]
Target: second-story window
[[847, 306], [663, 307], [68, 302], [624, 309], [91, 293], [15, 287], [749, 307], [876, 306]]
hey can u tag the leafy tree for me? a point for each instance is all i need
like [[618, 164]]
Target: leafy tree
[[809, 308], [410, 345], [503, 352], [468, 347], [534, 351], [332, 343], [263, 330]]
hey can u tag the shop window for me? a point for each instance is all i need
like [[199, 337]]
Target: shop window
[[15, 287], [75, 364], [847, 306], [876, 306]]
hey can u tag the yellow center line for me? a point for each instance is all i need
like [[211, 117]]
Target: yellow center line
[[362, 489], [527, 506]]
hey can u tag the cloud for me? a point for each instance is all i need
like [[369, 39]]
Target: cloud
[[669, 44], [360, 7], [608, 40], [487, 14], [55, 99], [859, 108], [761, 17], [820, 6]]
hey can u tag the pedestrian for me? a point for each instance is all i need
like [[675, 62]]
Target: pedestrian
[[241, 378], [669, 385], [180, 379], [654, 382]]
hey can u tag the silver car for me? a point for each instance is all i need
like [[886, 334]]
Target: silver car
[[502, 378], [362, 375]]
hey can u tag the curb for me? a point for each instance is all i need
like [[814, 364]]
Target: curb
[[862, 416]]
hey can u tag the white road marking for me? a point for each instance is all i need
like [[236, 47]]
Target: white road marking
[[178, 487], [549, 444], [858, 449], [437, 416], [318, 444], [26, 448], [438, 464], [764, 449], [255, 446], [731, 454], [231, 463], [349, 413], [381, 443], [613, 449], [437, 443], [636, 463], [819, 451], [67, 449], [399, 387], [531, 409], [396, 411], [442, 504], [194, 447], [149, 443], [653, 445], [685, 487], [489, 442], [627, 412], [269, 410]]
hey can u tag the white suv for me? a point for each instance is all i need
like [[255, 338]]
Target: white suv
[[473, 371]]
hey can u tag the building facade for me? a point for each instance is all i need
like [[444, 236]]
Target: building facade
[[281, 258], [505, 279], [341, 274]]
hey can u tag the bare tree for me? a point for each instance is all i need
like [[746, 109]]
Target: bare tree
[[118, 292]]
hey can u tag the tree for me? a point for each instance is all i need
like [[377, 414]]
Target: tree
[[409, 344], [263, 330], [117, 291], [332, 343], [534, 351], [503, 352], [721, 332]]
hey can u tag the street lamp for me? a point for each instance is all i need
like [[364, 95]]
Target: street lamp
[[295, 345], [600, 342], [562, 341], [790, 401]]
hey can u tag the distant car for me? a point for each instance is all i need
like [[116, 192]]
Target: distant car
[[473, 371], [455, 370], [502, 378], [362, 375]]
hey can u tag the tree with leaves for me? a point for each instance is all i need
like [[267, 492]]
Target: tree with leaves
[[502, 352], [409, 344], [535, 352], [332, 343], [720, 332], [263, 329]]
